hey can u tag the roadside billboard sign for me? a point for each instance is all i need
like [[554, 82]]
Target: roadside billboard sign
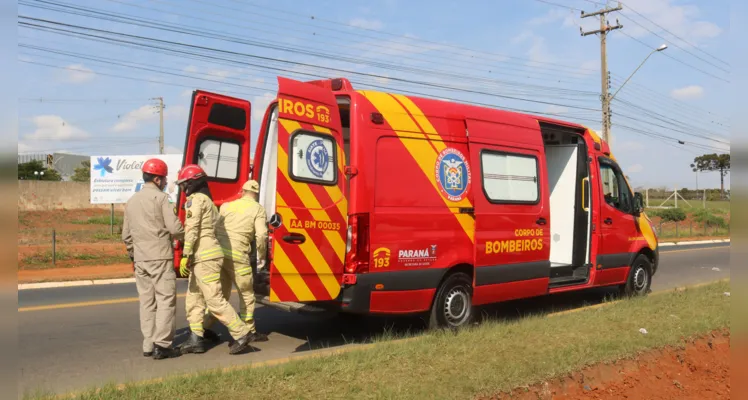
[[114, 179]]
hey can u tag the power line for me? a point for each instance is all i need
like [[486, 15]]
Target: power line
[[675, 44], [559, 5], [676, 36], [338, 70], [676, 59]]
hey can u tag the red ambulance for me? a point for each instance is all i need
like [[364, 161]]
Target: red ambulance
[[389, 204]]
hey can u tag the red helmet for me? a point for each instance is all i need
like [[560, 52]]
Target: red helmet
[[157, 167], [190, 171]]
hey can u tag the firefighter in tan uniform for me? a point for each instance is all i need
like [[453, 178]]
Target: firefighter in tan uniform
[[242, 222], [148, 229], [203, 255]]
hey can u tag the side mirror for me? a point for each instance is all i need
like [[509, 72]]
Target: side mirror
[[638, 204]]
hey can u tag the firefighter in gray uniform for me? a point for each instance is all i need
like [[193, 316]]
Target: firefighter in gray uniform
[[148, 229]]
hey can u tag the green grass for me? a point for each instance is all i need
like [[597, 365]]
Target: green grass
[[43, 260], [488, 359], [101, 220]]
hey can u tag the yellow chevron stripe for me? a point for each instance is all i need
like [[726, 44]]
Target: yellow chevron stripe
[[421, 150], [273, 296], [294, 280], [314, 256], [417, 114]]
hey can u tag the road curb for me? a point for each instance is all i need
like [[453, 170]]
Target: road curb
[[91, 282], [87, 282], [321, 353], [693, 243]]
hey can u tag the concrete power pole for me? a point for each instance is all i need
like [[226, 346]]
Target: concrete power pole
[[605, 27], [161, 124]]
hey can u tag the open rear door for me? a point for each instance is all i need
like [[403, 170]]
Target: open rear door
[[218, 141], [309, 246]]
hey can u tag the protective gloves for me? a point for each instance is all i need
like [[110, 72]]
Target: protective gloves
[[183, 268]]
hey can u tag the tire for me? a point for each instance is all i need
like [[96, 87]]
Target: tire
[[640, 278], [452, 307]]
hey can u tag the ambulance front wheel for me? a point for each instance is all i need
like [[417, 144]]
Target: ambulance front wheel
[[640, 277], [453, 304]]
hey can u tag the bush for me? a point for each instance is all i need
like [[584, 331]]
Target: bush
[[708, 217], [669, 214]]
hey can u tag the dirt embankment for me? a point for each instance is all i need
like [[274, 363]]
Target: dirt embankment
[[698, 370]]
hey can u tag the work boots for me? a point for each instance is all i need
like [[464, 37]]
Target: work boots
[[243, 342], [160, 353], [195, 344], [240, 344]]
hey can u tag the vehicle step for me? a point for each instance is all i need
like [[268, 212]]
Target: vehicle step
[[567, 281], [291, 306]]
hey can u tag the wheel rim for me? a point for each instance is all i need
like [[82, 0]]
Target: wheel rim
[[456, 306], [640, 279]]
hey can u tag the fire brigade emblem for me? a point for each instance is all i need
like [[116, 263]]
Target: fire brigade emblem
[[317, 158], [453, 174]]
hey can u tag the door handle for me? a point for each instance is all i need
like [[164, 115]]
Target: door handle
[[294, 238], [608, 221], [541, 221]]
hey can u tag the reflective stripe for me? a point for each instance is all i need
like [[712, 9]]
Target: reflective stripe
[[246, 317], [237, 322], [196, 327], [211, 252], [243, 271], [211, 278]]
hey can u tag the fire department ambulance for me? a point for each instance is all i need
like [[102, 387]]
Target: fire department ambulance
[[390, 204]]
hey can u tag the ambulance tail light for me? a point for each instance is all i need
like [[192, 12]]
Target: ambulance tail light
[[357, 244]]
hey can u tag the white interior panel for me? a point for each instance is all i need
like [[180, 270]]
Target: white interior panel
[[270, 166], [562, 172]]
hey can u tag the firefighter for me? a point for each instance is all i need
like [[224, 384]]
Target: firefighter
[[202, 260], [148, 229], [242, 222]]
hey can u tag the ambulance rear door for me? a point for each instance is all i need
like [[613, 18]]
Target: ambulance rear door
[[218, 140], [309, 244]]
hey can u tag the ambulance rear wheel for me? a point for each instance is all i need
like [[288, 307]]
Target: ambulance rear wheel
[[640, 278], [453, 304]]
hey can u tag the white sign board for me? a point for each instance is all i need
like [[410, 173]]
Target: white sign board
[[114, 179]]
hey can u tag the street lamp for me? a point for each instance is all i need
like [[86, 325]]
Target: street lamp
[[661, 48]]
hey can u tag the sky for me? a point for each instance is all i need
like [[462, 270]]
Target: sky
[[91, 95]]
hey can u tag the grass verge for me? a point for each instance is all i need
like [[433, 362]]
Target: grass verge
[[43, 260], [491, 358]]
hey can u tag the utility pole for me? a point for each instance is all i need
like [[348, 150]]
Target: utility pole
[[160, 107], [605, 27]]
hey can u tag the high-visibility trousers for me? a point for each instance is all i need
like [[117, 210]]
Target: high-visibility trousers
[[205, 296], [239, 275]]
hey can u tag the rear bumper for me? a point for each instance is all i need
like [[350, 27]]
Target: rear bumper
[[393, 292]]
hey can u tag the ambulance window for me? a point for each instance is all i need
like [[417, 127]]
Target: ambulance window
[[228, 116], [313, 158], [616, 193], [510, 178], [219, 159]]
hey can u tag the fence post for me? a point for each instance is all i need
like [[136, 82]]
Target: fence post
[[54, 247], [675, 192], [677, 234], [704, 198], [111, 219]]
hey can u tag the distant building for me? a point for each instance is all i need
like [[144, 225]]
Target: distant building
[[64, 163]]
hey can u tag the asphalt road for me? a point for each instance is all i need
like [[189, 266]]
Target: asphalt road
[[77, 337]]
